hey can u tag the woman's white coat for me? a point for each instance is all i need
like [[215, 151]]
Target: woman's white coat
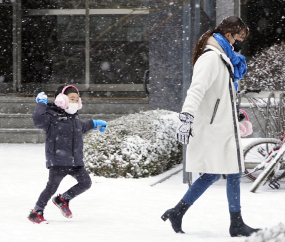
[[216, 146]]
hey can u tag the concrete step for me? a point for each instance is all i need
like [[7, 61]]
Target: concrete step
[[22, 121], [90, 106], [16, 124], [22, 136]]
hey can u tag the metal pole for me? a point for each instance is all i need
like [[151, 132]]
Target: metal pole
[[197, 20], [281, 96], [237, 8], [186, 65], [210, 10], [191, 33], [19, 45], [271, 95], [87, 49], [15, 42]]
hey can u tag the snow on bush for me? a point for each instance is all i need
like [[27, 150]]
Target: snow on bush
[[134, 146], [267, 69], [274, 234]]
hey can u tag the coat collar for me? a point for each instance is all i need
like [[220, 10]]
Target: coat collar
[[55, 108], [59, 111], [213, 45]]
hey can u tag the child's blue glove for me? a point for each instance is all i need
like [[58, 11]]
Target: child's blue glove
[[100, 125], [42, 98]]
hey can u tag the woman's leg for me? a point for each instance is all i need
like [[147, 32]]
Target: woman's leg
[[237, 227], [56, 174], [199, 187], [176, 214], [233, 191]]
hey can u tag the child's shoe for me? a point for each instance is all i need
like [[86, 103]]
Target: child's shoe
[[37, 217], [63, 205]]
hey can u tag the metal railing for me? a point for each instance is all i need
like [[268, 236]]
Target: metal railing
[[269, 106]]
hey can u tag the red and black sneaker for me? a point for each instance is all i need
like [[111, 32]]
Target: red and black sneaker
[[37, 217], [63, 205]]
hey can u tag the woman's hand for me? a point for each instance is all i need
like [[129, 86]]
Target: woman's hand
[[186, 128]]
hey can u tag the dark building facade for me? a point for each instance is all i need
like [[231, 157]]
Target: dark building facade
[[112, 48], [99, 45]]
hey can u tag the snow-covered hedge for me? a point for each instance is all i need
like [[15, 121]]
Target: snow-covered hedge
[[134, 146], [267, 69], [274, 234]]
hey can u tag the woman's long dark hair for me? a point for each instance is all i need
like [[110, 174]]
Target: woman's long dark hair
[[230, 24]]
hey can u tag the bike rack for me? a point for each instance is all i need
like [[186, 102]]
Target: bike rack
[[276, 122], [281, 112], [271, 95]]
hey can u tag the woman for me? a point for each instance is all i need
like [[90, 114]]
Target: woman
[[209, 109]]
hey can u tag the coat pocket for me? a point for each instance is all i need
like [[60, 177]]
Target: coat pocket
[[215, 110]]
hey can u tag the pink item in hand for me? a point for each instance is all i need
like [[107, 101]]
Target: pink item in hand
[[248, 127], [242, 129], [245, 127]]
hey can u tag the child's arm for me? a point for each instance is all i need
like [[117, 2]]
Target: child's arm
[[40, 117], [87, 125], [93, 124]]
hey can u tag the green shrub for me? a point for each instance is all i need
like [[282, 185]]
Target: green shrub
[[134, 146]]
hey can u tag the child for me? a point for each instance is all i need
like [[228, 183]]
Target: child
[[64, 147]]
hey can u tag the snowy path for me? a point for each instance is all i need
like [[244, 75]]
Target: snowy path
[[120, 210]]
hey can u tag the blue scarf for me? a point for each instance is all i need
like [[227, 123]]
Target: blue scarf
[[237, 60]]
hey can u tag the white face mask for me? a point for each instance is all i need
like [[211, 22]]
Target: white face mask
[[72, 109]]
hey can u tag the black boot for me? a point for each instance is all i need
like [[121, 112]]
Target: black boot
[[175, 215], [238, 227]]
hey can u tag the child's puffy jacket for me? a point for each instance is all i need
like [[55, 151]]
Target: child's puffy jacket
[[64, 142]]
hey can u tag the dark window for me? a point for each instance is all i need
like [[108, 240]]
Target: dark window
[[6, 44], [119, 48], [53, 49]]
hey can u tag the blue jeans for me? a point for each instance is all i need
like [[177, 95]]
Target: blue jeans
[[206, 180]]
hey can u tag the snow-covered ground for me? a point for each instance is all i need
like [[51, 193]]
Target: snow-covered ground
[[120, 210]]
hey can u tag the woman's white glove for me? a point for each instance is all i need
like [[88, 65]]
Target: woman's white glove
[[185, 129]]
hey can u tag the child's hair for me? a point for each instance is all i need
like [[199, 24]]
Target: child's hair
[[67, 90], [232, 24]]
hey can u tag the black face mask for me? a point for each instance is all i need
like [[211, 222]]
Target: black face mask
[[237, 45]]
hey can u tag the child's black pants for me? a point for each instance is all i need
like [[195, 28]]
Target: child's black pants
[[56, 174]]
